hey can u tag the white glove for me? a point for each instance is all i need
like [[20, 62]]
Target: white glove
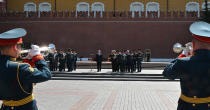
[[185, 52], [34, 50]]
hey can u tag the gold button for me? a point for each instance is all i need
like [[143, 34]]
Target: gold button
[[193, 105], [12, 108], [208, 105], [195, 97]]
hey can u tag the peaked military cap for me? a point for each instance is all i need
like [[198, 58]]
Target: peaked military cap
[[201, 31], [13, 36]]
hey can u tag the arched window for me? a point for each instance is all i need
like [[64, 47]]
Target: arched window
[[204, 6], [192, 7], [98, 7], [45, 7], [153, 7], [83, 7], [136, 7], [30, 7]]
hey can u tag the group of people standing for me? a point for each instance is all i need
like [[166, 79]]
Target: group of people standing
[[61, 60], [126, 61], [122, 61]]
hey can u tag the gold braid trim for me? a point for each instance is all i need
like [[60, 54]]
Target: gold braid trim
[[19, 102], [195, 100], [19, 81]]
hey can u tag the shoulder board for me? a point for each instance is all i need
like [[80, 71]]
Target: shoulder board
[[31, 69]]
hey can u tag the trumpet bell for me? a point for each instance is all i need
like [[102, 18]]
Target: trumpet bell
[[177, 48], [51, 46]]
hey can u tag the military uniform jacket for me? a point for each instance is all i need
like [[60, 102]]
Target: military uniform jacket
[[61, 58], [124, 57], [50, 57], [113, 57], [194, 74], [69, 58], [16, 79], [139, 57], [130, 59], [75, 57]]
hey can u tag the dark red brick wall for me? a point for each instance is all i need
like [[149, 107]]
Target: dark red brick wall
[[86, 37]]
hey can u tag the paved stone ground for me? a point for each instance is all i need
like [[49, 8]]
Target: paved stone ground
[[107, 95]]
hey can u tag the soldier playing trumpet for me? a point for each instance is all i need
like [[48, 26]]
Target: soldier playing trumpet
[[16, 79], [194, 71]]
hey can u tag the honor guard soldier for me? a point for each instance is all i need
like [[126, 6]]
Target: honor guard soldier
[[194, 71], [16, 79], [99, 59]]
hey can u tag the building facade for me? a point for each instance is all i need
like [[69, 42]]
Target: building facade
[[106, 5], [146, 7]]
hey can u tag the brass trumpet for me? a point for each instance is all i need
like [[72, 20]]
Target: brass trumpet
[[48, 49], [178, 48]]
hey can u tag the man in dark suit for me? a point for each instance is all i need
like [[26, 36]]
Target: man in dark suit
[[61, 60], [50, 58], [113, 58], [139, 59], [16, 79], [75, 60], [99, 59], [123, 61], [194, 71], [55, 63], [69, 60], [130, 61], [147, 55]]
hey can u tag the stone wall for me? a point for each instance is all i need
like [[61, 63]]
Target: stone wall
[[86, 36]]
